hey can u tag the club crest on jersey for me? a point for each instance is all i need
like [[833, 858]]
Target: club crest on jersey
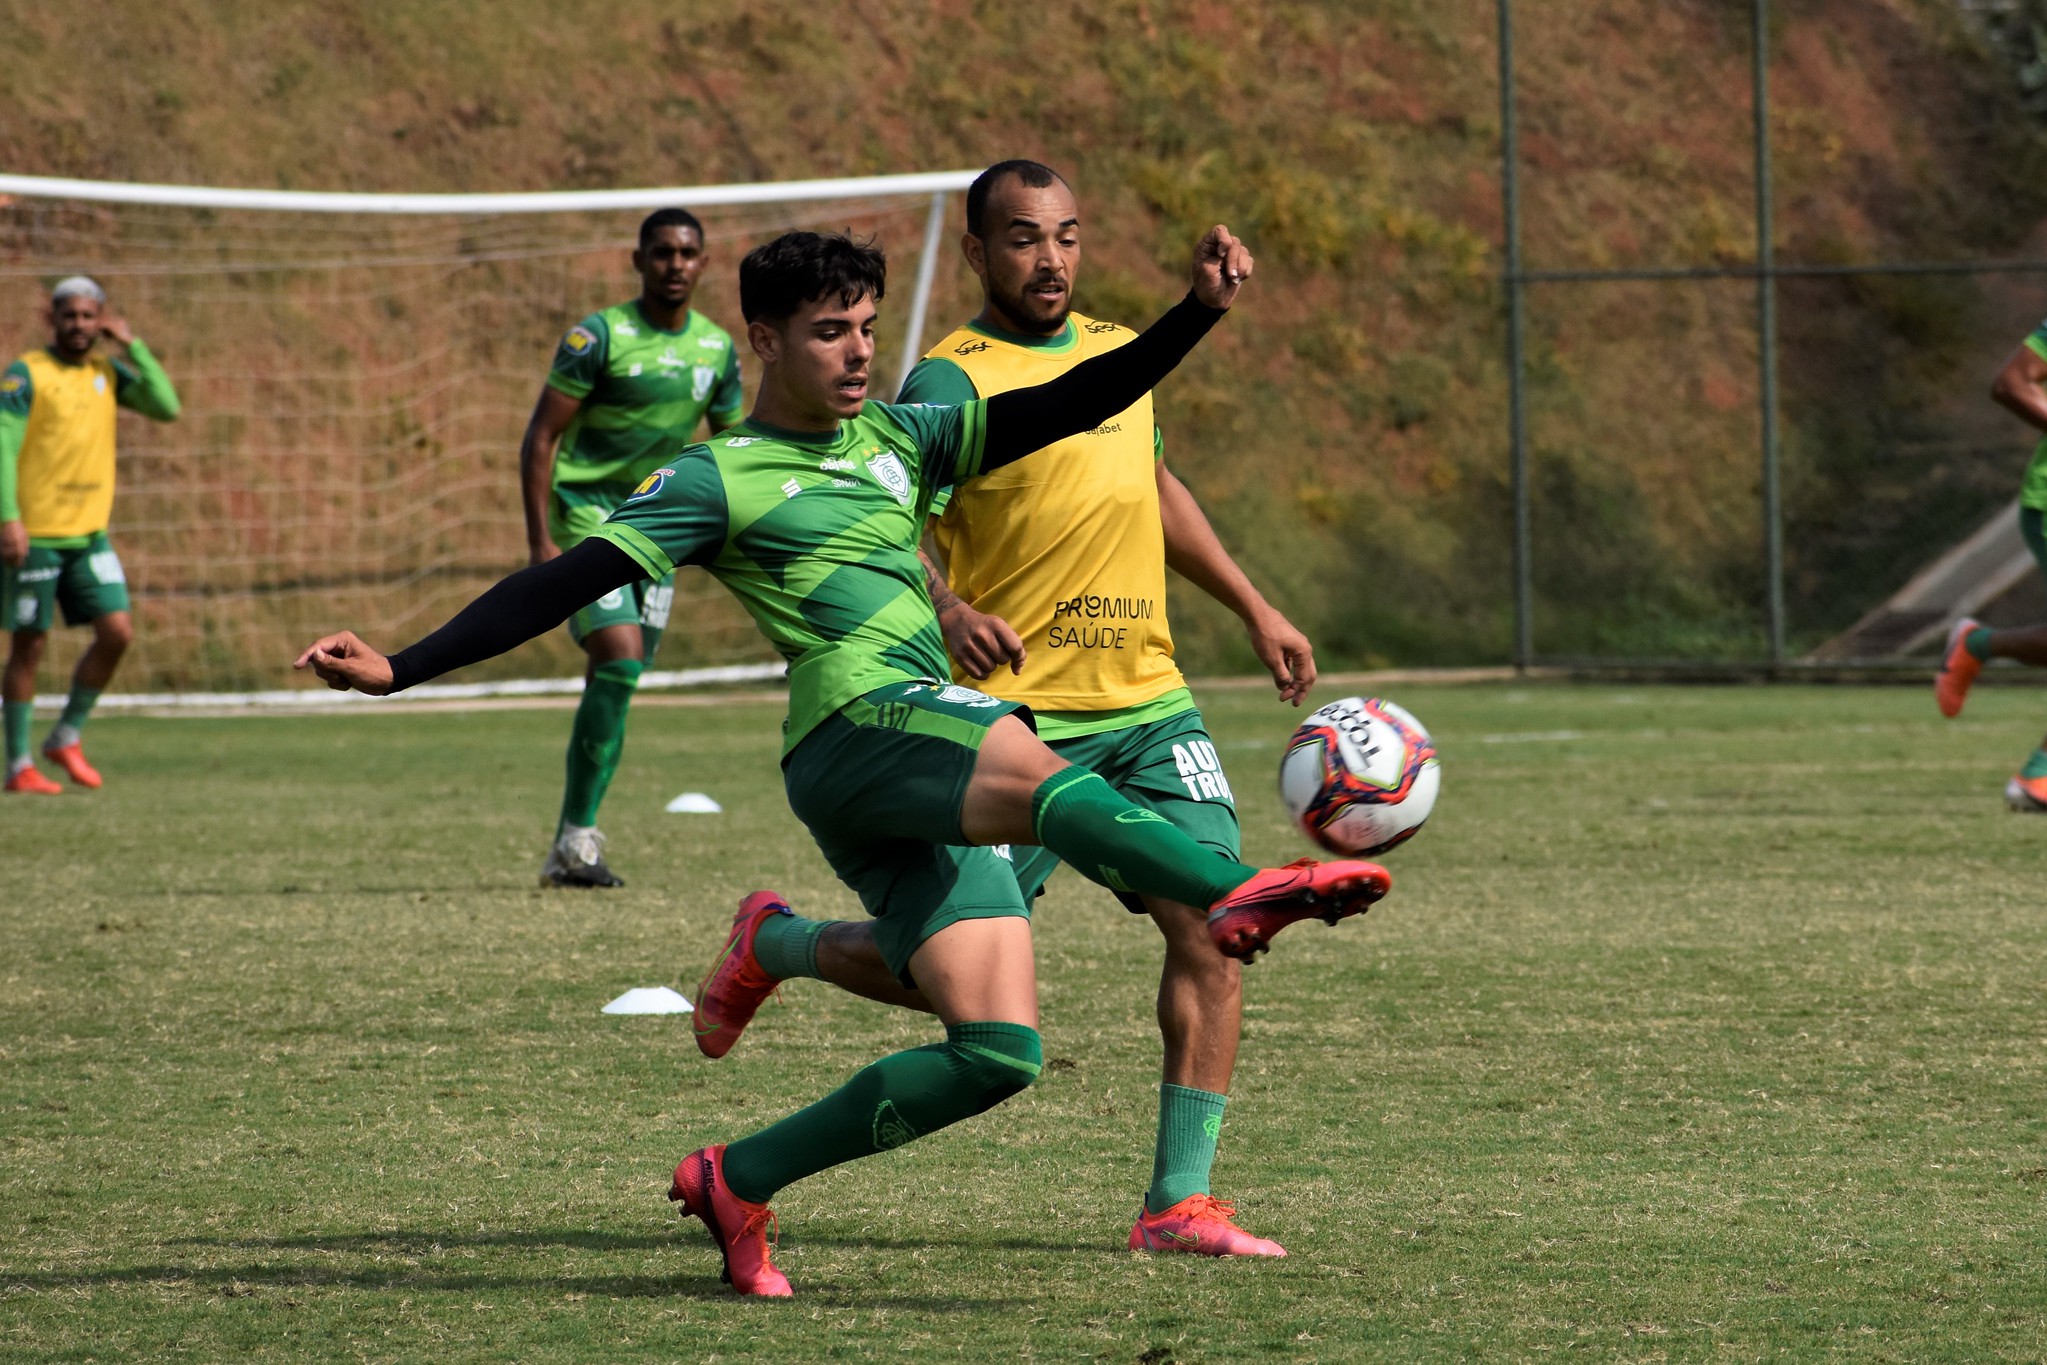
[[650, 485], [579, 340], [888, 471], [700, 383]]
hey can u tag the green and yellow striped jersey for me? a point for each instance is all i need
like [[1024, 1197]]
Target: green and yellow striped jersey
[[816, 534], [643, 390]]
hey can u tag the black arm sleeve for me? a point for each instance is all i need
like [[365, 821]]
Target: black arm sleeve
[[530, 602], [1089, 394]]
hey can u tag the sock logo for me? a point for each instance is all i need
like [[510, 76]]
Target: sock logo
[[1213, 1126], [891, 1129], [1138, 815], [1113, 879]]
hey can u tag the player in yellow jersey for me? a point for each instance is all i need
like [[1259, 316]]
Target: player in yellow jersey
[[1054, 596], [56, 496]]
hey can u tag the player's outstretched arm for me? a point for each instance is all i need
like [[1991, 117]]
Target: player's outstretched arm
[[530, 602], [1023, 420], [552, 413]]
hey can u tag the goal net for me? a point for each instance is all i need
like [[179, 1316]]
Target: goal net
[[356, 373]]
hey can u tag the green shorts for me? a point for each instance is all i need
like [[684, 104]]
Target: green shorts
[[86, 581], [644, 604], [879, 784], [1169, 766], [2030, 531]]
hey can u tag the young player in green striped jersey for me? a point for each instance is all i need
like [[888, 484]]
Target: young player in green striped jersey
[[629, 387], [810, 513]]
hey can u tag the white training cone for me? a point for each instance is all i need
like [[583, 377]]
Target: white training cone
[[649, 1000], [693, 803]]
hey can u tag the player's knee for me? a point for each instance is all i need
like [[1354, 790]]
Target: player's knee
[[25, 647], [114, 632], [995, 1061], [619, 672]]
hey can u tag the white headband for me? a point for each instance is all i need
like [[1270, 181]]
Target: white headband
[[78, 286]]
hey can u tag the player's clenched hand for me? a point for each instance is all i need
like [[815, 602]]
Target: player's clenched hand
[[13, 544], [344, 662], [1286, 653], [1221, 265], [981, 643]]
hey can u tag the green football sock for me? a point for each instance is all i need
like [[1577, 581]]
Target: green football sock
[[1977, 642], [77, 707], [1109, 839], [597, 739], [2036, 766], [786, 945], [1190, 1124], [20, 715], [891, 1102]]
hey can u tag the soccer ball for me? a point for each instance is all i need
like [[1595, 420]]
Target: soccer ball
[[1360, 776]]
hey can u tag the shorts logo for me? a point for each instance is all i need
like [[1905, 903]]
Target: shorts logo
[[612, 600], [25, 610], [1202, 771], [888, 471], [1002, 851], [579, 340], [660, 600], [106, 567], [701, 380], [650, 485], [965, 696]]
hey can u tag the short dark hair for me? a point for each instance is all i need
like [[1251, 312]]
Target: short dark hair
[[1035, 174], [661, 218], [802, 267]]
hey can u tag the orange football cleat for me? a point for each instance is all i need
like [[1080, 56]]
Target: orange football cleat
[[1201, 1225], [1958, 669], [71, 758], [29, 782], [2027, 794], [736, 985]]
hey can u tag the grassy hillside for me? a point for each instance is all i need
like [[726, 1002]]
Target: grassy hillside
[[1347, 430]]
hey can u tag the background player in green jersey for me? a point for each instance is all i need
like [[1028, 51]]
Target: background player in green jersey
[[629, 387], [2021, 385], [1124, 713], [810, 513]]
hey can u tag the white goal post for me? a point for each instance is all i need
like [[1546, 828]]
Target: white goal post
[[356, 371]]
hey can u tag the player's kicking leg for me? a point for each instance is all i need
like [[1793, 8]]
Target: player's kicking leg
[[617, 654], [1970, 645]]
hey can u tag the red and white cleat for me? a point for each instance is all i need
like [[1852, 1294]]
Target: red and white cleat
[[1200, 1225], [741, 1230], [1244, 922]]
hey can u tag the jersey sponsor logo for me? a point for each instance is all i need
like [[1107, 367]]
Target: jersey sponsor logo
[[633, 371], [650, 485], [711, 343], [888, 471], [1202, 771], [735, 442], [835, 464], [1097, 328], [970, 348], [701, 379], [791, 488], [579, 340], [624, 328], [669, 360]]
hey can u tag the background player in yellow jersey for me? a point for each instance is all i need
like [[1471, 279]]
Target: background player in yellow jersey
[[56, 496], [1054, 596]]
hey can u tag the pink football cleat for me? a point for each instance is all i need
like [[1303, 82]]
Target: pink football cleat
[[735, 986], [1243, 922], [1201, 1225], [741, 1230]]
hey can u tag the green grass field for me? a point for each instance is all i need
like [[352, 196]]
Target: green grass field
[[1702, 1023]]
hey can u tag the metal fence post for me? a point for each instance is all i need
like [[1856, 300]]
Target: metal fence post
[[1766, 328], [1517, 410]]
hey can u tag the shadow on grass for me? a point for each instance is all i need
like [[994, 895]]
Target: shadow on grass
[[587, 1239]]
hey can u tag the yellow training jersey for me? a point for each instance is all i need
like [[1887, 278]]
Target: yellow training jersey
[[1065, 544], [57, 436]]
